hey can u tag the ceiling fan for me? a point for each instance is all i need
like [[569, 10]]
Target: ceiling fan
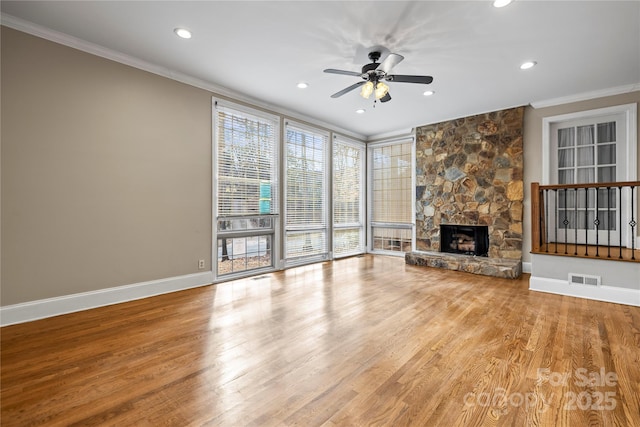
[[374, 74]]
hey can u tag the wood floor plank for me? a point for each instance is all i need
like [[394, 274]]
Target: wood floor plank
[[360, 341]]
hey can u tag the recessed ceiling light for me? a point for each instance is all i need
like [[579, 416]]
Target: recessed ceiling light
[[182, 33], [361, 111], [303, 85], [501, 3], [527, 65], [428, 93]]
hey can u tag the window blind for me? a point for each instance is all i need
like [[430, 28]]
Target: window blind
[[348, 215], [391, 183], [247, 171], [306, 192]]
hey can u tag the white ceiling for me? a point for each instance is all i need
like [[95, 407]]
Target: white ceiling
[[261, 50]]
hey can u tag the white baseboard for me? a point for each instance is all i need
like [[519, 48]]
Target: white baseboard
[[40, 309], [526, 267], [600, 293]]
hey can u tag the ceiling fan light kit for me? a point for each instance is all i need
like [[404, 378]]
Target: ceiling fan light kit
[[379, 89], [367, 90], [373, 76]]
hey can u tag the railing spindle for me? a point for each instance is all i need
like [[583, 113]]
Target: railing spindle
[[596, 220], [540, 194], [575, 219], [620, 220], [586, 221], [565, 222], [546, 215], [608, 222], [556, 222], [633, 224]]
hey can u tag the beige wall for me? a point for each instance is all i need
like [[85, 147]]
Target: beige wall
[[533, 146], [106, 172]]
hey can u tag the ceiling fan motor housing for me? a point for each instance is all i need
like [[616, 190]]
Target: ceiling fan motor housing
[[374, 56], [368, 69]]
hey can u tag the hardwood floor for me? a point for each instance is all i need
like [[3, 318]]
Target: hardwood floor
[[358, 342]]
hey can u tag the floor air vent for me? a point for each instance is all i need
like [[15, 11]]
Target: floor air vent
[[584, 279]]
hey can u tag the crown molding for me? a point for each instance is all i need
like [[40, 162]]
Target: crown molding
[[103, 52], [587, 96]]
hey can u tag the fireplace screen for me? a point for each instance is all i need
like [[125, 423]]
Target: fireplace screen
[[465, 239]]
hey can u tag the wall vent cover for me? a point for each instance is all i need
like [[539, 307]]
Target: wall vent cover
[[584, 279]]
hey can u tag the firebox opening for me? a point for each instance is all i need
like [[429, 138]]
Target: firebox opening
[[465, 239]]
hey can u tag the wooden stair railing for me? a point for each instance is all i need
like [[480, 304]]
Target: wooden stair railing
[[588, 209]]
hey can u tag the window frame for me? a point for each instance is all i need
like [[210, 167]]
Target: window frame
[[325, 228], [273, 231], [371, 223], [361, 224], [630, 114], [627, 113]]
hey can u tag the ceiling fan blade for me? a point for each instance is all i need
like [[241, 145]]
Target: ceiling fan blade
[[343, 72], [409, 79], [386, 98], [389, 62], [347, 89]]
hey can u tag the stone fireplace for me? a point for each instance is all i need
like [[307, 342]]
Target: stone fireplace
[[469, 172]]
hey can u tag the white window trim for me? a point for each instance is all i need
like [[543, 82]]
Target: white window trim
[[631, 114]]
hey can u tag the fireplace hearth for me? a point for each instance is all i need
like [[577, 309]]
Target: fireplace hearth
[[464, 239]]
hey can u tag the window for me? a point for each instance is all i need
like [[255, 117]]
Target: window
[[586, 153], [306, 224], [245, 188], [391, 183], [247, 163], [348, 197], [596, 146], [244, 244]]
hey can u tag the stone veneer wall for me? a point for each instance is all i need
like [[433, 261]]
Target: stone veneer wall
[[469, 172]]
